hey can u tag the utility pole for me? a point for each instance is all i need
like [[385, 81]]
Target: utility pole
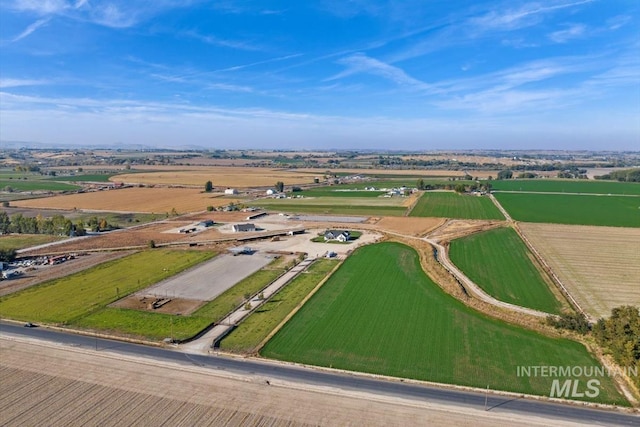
[[486, 398]]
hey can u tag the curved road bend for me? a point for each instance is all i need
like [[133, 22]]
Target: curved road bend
[[274, 371]]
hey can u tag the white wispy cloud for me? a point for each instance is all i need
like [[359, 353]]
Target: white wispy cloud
[[527, 15], [7, 83], [30, 29], [361, 63], [217, 41], [113, 14], [618, 21], [573, 32]]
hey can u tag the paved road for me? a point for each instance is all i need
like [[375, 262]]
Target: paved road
[[304, 375]]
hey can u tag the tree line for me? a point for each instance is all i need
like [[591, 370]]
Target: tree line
[[55, 225], [627, 175], [619, 335]]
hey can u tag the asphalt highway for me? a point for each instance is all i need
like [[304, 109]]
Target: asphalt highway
[[271, 371]]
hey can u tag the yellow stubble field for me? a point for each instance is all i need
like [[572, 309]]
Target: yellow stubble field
[[222, 176], [150, 200], [600, 266]]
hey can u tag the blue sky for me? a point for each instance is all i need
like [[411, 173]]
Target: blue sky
[[418, 75]]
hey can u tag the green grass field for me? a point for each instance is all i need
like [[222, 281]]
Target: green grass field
[[380, 313], [252, 331], [88, 177], [616, 211], [453, 205], [499, 262], [36, 185], [68, 299], [21, 241], [567, 186], [157, 326]]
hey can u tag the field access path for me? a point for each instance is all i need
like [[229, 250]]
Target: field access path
[[470, 285], [206, 342]]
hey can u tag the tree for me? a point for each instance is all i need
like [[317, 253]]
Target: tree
[[210, 208], [151, 244], [5, 223], [280, 186], [505, 174], [460, 188], [420, 184], [208, 186], [8, 255]]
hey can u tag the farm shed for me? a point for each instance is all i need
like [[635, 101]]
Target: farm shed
[[243, 227], [231, 191], [339, 235], [206, 223]]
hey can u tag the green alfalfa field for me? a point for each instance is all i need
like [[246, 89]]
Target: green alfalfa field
[[499, 262], [579, 209], [380, 313], [453, 205]]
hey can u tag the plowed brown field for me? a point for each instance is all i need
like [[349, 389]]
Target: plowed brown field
[[600, 266], [149, 200], [49, 385]]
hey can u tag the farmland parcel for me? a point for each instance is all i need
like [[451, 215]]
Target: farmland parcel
[[71, 298], [567, 186], [617, 211], [500, 263], [380, 313], [600, 266], [453, 205], [252, 331]]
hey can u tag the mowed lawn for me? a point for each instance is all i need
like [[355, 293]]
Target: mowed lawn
[[615, 211], [499, 262], [21, 241], [454, 205], [380, 313], [65, 300]]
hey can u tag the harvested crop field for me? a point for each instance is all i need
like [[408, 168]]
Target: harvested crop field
[[44, 384], [149, 200], [600, 266], [222, 177]]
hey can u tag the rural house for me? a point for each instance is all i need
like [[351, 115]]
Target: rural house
[[339, 235], [244, 227]]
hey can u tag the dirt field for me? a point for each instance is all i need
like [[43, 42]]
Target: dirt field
[[133, 237], [144, 303], [46, 384], [600, 266], [456, 228], [147, 200], [222, 177], [209, 279], [412, 226]]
